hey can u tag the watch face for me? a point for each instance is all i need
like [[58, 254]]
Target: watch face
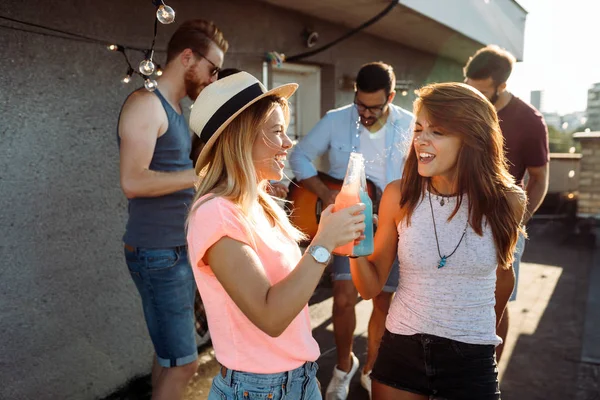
[[321, 254]]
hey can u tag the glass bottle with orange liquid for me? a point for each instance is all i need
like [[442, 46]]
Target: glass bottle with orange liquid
[[354, 190]]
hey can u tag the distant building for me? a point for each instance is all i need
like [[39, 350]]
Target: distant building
[[536, 99], [553, 119], [573, 121], [593, 108]]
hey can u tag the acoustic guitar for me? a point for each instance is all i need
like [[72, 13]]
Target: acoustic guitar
[[306, 207]]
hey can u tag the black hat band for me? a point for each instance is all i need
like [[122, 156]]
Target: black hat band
[[229, 108]]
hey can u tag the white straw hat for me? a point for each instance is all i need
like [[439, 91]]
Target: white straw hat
[[222, 101]]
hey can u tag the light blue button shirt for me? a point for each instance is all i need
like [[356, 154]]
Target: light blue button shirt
[[338, 133]]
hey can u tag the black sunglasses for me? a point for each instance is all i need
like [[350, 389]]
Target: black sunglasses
[[372, 109], [215, 69]]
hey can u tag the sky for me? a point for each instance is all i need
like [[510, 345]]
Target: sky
[[562, 53]]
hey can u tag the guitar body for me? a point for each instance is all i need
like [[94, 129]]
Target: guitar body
[[306, 207]]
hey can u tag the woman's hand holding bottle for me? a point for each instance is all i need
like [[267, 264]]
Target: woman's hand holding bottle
[[341, 227]]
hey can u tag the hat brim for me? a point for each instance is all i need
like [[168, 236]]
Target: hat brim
[[286, 91]]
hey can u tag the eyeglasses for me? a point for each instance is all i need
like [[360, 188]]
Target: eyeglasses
[[375, 110], [215, 69]]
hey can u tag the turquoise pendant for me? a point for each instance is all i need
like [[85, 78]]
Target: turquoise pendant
[[442, 262]]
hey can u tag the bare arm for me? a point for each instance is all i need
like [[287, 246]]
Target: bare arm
[[370, 274], [273, 307], [536, 190], [142, 121], [505, 278], [505, 283]]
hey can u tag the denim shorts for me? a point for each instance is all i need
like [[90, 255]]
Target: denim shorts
[[340, 271], [433, 366], [518, 254], [166, 285], [298, 384]]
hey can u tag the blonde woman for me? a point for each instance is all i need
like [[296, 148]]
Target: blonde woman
[[453, 220], [248, 267]]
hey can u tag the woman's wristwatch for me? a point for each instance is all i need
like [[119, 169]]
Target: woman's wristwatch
[[320, 254]]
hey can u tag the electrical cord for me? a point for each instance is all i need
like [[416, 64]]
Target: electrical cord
[[354, 31]]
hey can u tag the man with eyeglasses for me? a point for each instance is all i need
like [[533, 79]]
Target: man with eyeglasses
[[379, 130], [157, 178]]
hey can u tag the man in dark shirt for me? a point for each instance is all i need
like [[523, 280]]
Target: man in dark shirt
[[157, 177], [525, 139]]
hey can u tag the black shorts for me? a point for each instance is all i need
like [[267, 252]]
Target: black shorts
[[435, 366]]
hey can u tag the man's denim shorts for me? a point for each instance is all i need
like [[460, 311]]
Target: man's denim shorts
[[340, 271], [166, 284], [518, 254]]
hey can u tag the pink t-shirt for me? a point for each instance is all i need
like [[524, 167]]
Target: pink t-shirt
[[238, 343]]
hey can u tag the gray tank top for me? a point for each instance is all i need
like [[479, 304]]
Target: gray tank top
[[158, 222], [455, 301]]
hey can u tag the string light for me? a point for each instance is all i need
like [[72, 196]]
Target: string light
[[165, 14], [147, 67], [127, 78], [150, 85], [403, 86], [48, 31]]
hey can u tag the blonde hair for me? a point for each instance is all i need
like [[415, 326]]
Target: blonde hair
[[227, 169]]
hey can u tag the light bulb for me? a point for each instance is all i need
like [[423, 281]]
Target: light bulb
[[147, 67], [112, 47], [165, 14], [571, 173], [127, 79], [572, 150], [159, 71], [404, 93], [150, 85]]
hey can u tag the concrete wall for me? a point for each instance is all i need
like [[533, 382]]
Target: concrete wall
[[562, 166], [589, 181], [71, 325]]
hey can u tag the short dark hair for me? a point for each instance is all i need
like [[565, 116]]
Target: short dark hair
[[490, 62], [376, 76], [197, 35]]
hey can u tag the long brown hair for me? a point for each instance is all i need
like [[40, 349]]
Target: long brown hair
[[482, 173], [227, 169]]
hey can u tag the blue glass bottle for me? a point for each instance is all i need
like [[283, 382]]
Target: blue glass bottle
[[366, 246]]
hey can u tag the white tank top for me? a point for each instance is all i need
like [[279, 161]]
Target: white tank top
[[372, 147], [455, 301]]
